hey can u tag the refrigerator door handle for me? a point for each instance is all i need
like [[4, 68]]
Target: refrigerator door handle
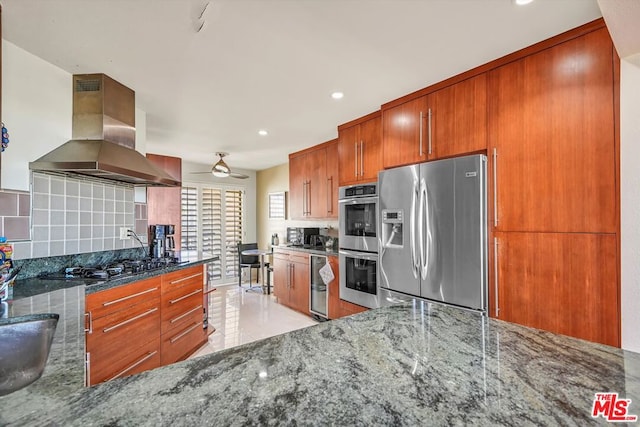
[[425, 232], [421, 229], [412, 230]]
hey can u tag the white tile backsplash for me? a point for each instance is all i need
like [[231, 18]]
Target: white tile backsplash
[[71, 215]]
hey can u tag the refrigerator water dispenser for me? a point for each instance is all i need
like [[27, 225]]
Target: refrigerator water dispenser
[[392, 228]]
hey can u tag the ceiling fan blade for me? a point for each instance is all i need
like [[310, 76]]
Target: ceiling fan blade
[[196, 173], [238, 175]]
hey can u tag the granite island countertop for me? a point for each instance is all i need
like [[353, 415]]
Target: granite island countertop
[[64, 371], [420, 364]]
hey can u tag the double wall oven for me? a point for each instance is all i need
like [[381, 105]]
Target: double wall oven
[[358, 238]]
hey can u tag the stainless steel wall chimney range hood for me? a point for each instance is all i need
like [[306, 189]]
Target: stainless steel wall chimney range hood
[[103, 131]]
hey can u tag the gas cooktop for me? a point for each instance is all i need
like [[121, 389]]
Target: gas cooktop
[[122, 268]]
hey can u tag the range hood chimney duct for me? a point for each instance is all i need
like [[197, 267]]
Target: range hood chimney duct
[[103, 132]]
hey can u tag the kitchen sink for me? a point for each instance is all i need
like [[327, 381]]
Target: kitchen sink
[[25, 342]]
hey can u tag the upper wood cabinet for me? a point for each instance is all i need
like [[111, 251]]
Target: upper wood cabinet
[[333, 171], [312, 183], [457, 119], [403, 133], [448, 122], [360, 149], [552, 126]]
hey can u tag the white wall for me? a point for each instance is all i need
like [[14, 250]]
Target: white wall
[[36, 109], [630, 202]]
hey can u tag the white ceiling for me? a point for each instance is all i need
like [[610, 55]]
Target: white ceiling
[[272, 64]]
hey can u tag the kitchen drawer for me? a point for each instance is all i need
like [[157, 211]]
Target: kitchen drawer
[[117, 365], [115, 332], [181, 342], [182, 278], [188, 308], [121, 297], [299, 257]]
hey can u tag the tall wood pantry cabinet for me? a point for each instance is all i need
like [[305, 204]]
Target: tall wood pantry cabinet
[[552, 137]]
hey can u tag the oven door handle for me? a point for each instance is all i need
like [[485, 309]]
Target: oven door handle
[[359, 255], [359, 200]]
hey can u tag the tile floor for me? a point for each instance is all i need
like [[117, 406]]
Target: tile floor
[[241, 317]]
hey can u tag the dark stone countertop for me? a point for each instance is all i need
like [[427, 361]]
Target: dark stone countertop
[[308, 250], [417, 364], [24, 288], [64, 371]]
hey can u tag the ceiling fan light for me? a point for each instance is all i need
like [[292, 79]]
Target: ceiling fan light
[[220, 169]]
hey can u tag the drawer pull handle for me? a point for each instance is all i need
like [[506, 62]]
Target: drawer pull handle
[[173, 301], [89, 330], [177, 337], [138, 363], [133, 319], [185, 278], [185, 314], [115, 301]]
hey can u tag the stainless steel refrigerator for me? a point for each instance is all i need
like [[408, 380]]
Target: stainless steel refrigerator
[[433, 234]]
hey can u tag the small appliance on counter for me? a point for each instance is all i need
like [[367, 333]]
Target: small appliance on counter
[[301, 236], [161, 240]]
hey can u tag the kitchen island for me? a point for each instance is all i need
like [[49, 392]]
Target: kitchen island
[[416, 364]]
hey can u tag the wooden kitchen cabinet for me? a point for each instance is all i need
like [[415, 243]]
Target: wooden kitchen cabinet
[[332, 179], [403, 133], [565, 283], [312, 183], [360, 149], [182, 314], [123, 328], [458, 119], [291, 279], [448, 122], [552, 135], [144, 324]]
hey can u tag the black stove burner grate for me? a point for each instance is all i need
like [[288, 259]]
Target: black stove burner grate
[[114, 270]]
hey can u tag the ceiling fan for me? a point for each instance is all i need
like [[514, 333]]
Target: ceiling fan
[[222, 170]]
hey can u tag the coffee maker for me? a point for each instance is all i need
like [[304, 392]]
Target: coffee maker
[[161, 240]]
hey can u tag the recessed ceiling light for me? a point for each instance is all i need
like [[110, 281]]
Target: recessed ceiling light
[[337, 95], [263, 132], [522, 2]]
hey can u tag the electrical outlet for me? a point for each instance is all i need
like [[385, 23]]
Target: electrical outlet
[[124, 234]]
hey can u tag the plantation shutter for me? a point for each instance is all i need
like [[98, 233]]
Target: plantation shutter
[[189, 222], [212, 228], [233, 230], [212, 224]]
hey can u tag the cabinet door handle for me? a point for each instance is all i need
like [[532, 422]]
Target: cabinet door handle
[[89, 316], [330, 195], [115, 301], [429, 128], [134, 364], [132, 319], [185, 278], [182, 334], [87, 369], [288, 273], [421, 119], [308, 197], [495, 187], [185, 314], [361, 159], [173, 301], [495, 273], [293, 272], [355, 166]]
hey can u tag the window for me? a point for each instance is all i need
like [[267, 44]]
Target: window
[[212, 223]]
